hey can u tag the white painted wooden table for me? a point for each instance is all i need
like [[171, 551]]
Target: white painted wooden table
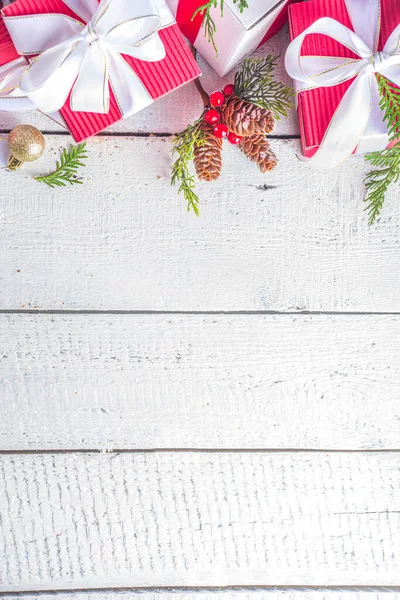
[[197, 408]]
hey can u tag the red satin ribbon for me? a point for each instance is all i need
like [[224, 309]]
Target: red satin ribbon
[[279, 22], [189, 27]]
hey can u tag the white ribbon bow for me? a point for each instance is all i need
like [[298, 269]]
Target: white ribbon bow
[[86, 58], [358, 121]]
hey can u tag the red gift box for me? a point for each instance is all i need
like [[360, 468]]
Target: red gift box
[[317, 107], [159, 78]]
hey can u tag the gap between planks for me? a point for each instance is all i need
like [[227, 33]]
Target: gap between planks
[[250, 313], [202, 589], [205, 450]]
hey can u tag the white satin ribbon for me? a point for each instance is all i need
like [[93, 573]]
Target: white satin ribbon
[[86, 58], [11, 97], [358, 121]]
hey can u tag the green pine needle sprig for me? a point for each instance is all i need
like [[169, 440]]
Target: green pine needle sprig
[[377, 182], [255, 82], [208, 22], [390, 105], [66, 168], [184, 146]]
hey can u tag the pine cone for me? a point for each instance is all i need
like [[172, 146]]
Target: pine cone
[[208, 155], [258, 150], [246, 119]]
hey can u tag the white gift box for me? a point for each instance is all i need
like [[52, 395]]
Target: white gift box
[[237, 34]]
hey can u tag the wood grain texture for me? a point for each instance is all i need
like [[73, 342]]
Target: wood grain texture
[[124, 241], [172, 113], [94, 521], [295, 240], [195, 381], [243, 594]]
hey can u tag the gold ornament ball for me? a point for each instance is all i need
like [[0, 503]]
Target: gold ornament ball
[[26, 144]]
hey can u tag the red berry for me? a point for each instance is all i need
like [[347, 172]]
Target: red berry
[[212, 116], [217, 99], [229, 89], [234, 139], [221, 130]]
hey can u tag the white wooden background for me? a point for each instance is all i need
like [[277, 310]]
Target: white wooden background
[[197, 408]]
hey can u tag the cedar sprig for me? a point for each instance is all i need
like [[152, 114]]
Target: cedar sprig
[[390, 105], [378, 180], [208, 22], [255, 82], [184, 146], [66, 168]]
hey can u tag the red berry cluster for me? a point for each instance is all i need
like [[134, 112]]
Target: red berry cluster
[[213, 115]]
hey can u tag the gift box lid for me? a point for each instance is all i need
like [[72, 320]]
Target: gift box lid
[[256, 11]]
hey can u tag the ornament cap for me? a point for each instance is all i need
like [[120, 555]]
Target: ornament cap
[[26, 144], [14, 164]]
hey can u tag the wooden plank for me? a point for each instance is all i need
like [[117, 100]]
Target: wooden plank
[[199, 519], [175, 111], [243, 594], [124, 241], [159, 381]]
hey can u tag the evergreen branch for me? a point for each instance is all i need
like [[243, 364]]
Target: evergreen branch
[[390, 105], [208, 23], [377, 182], [66, 167], [255, 82], [184, 146]]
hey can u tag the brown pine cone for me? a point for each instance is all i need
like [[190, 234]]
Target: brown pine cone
[[208, 154], [258, 150], [245, 119]]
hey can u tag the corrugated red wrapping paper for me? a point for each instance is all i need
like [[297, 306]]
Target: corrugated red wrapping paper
[[160, 78], [317, 107]]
